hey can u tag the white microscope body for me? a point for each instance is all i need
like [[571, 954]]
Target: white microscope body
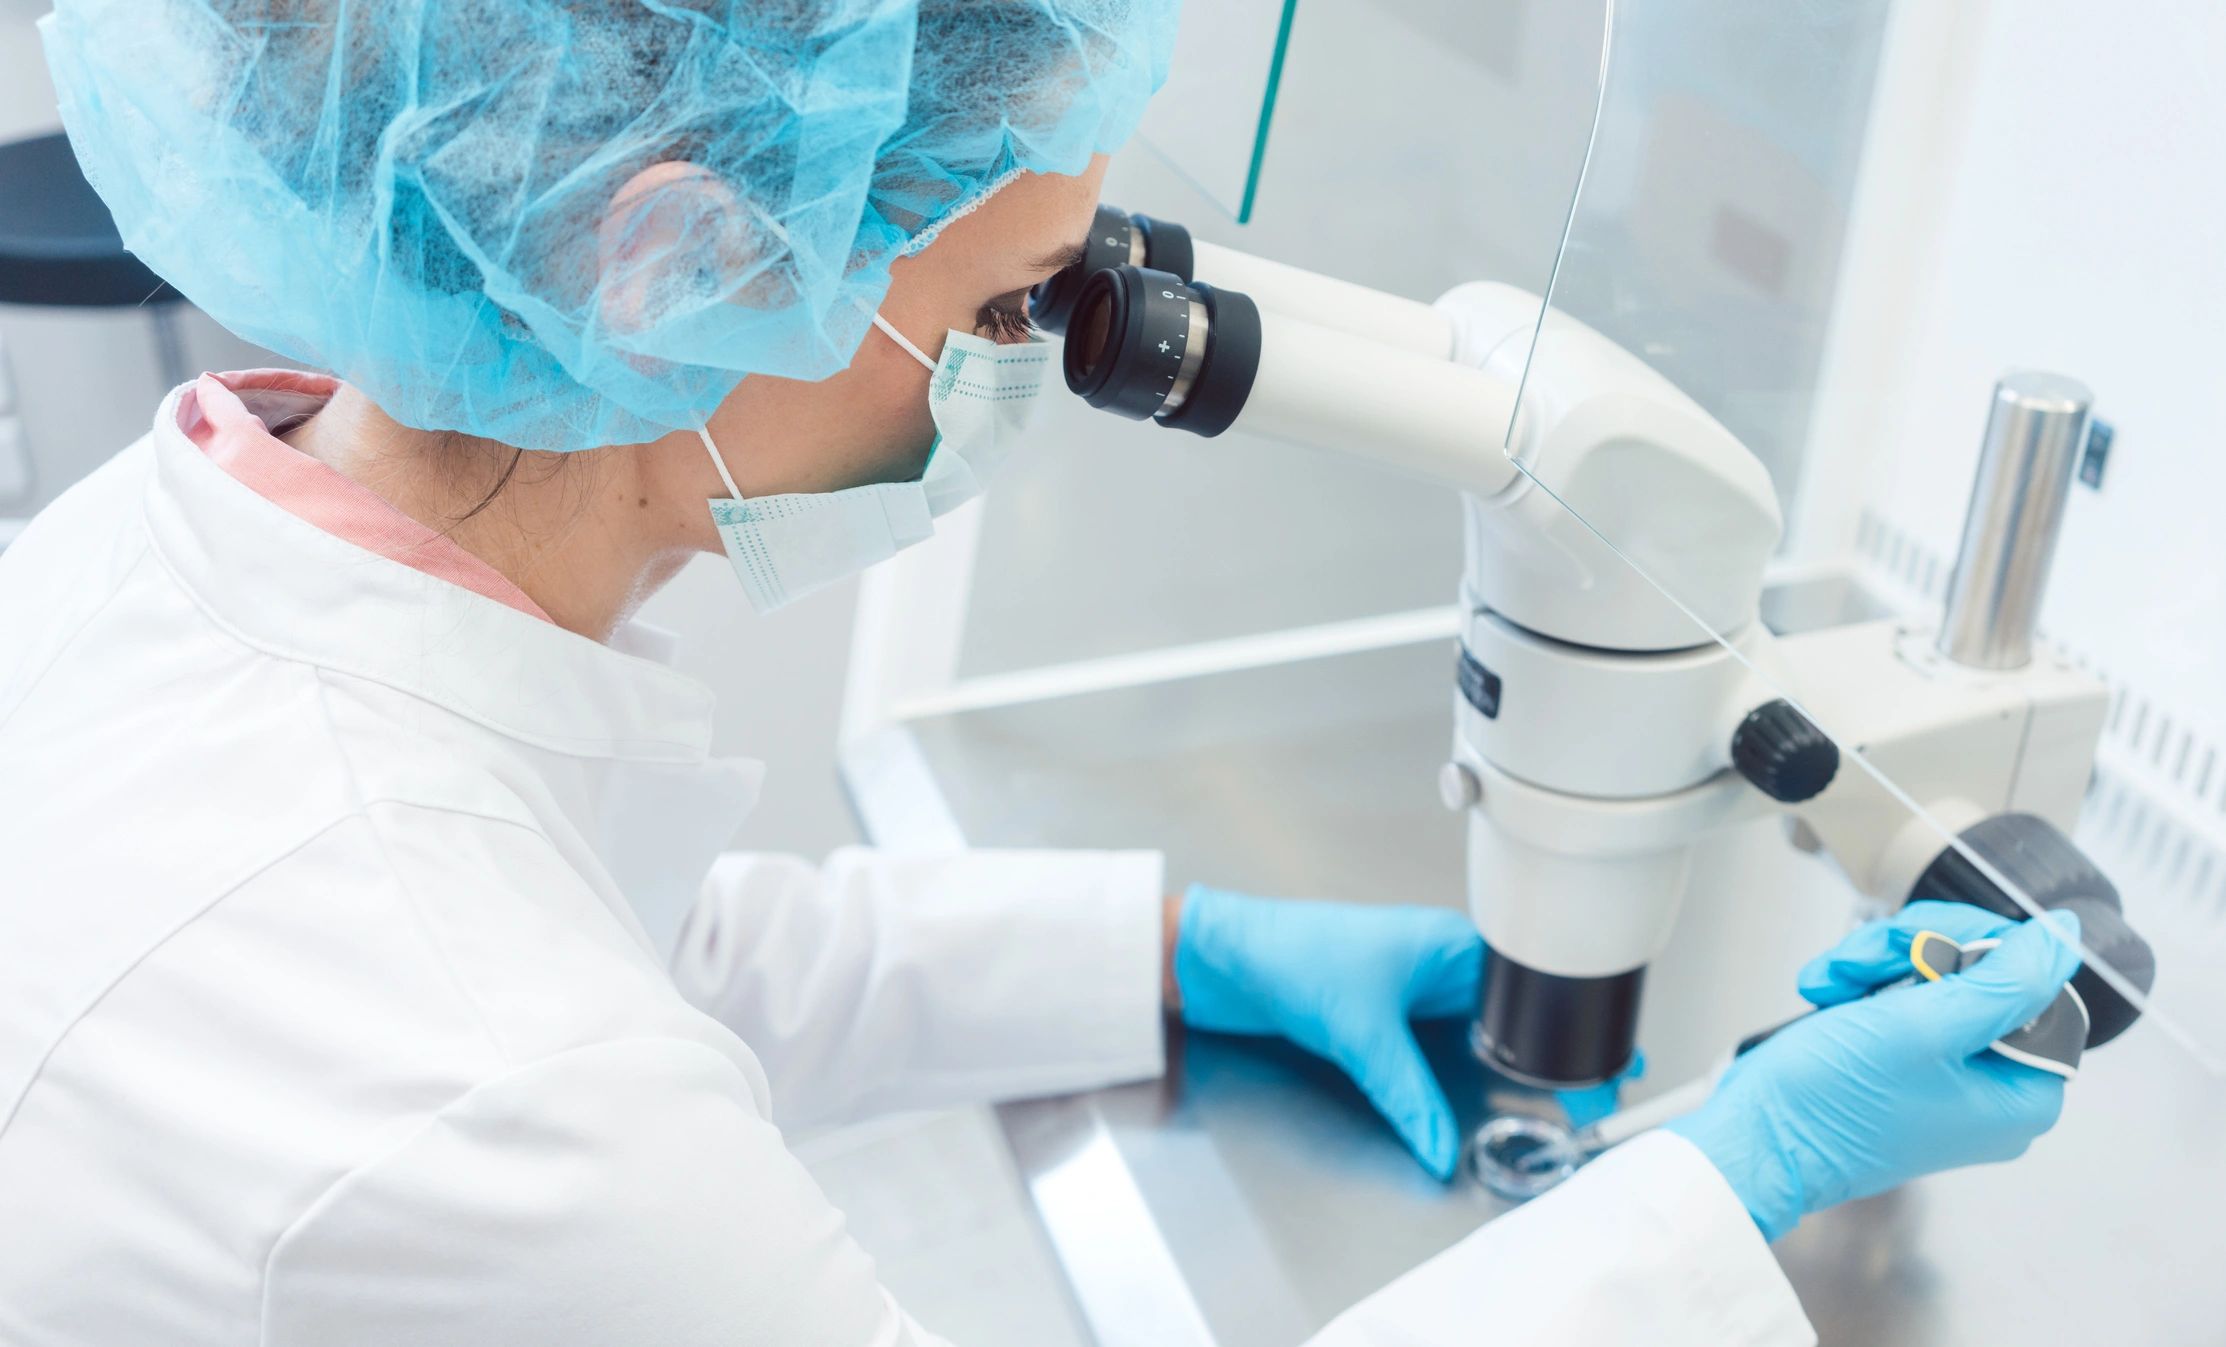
[[1604, 748], [1600, 729]]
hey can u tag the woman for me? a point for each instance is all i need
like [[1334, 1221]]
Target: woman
[[336, 774]]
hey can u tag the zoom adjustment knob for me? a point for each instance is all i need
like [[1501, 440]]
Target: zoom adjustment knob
[[1784, 754]]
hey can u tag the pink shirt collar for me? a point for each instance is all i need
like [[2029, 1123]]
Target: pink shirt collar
[[236, 420]]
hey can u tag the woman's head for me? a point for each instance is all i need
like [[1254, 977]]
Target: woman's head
[[591, 534], [562, 225], [870, 422]]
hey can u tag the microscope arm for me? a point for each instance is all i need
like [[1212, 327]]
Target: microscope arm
[[1424, 417]]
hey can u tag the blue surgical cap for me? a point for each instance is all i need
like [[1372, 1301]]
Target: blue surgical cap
[[562, 224]]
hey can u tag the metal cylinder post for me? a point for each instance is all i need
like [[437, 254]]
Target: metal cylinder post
[[2034, 435]]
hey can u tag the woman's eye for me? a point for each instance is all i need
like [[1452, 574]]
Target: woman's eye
[[1005, 326]]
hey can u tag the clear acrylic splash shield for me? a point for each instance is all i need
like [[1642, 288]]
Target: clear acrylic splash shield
[[1705, 241]]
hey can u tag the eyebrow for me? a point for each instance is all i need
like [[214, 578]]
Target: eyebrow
[[1059, 259]]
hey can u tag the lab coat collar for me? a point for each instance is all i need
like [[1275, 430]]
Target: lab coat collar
[[295, 591]]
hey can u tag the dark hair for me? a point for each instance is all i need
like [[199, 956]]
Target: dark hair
[[456, 446], [459, 454]]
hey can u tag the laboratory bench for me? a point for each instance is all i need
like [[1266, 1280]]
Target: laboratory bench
[[1250, 1194]]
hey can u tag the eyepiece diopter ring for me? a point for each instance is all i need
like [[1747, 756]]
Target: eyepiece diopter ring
[[1148, 345]]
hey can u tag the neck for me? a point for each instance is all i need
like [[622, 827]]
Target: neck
[[584, 535]]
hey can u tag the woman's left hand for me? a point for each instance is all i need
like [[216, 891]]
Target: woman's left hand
[[1341, 980]]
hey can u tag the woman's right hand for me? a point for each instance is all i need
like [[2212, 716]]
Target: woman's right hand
[[1875, 1090]]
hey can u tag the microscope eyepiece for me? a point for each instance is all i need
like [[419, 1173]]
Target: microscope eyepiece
[[1130, 341], [1151, 346], [1148, 345], [1117, 239]]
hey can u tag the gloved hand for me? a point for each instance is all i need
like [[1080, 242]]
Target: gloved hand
[[1880, 1089], [1341, 980], [1588, 1104]]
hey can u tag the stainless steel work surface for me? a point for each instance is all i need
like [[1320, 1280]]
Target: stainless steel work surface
[[1250, 1195]]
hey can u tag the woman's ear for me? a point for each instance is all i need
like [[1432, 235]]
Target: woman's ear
[[675, 239]]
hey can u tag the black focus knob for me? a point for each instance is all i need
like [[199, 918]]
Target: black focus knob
[[1784, 754]]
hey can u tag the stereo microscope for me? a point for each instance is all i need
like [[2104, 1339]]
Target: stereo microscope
[[1617, 696]]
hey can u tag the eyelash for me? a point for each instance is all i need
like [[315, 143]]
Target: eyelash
[[1005, 326]]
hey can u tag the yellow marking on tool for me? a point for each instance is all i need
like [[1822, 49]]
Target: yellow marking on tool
[[1918, 959]]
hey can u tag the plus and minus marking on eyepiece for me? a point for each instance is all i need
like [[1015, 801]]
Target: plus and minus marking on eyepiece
[[1163, 348]]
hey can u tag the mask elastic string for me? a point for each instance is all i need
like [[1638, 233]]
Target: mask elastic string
[[704, 433], [906, 342]]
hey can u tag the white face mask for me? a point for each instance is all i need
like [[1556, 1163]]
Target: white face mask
[[783, 547]]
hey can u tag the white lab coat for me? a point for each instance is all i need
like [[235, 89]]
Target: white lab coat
[[324, 1019]]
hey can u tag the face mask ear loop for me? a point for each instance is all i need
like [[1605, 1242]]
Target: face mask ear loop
[[704, 433], [900, 339]]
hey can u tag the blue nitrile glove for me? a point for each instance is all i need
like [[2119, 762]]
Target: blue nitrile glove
[[1340, 980], [1589, 1104], [1877, 1090]]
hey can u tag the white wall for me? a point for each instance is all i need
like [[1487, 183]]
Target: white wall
[[84, 382], [26, 96], [2049, 191]]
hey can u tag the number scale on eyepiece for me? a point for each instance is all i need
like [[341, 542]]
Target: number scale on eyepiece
[[1148, 345]]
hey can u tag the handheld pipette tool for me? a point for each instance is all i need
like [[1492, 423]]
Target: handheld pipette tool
[[1520, 1156]]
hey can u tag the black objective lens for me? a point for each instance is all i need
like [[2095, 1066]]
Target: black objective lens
[[1148, 345], [1117, 239], [1557, 1032]]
